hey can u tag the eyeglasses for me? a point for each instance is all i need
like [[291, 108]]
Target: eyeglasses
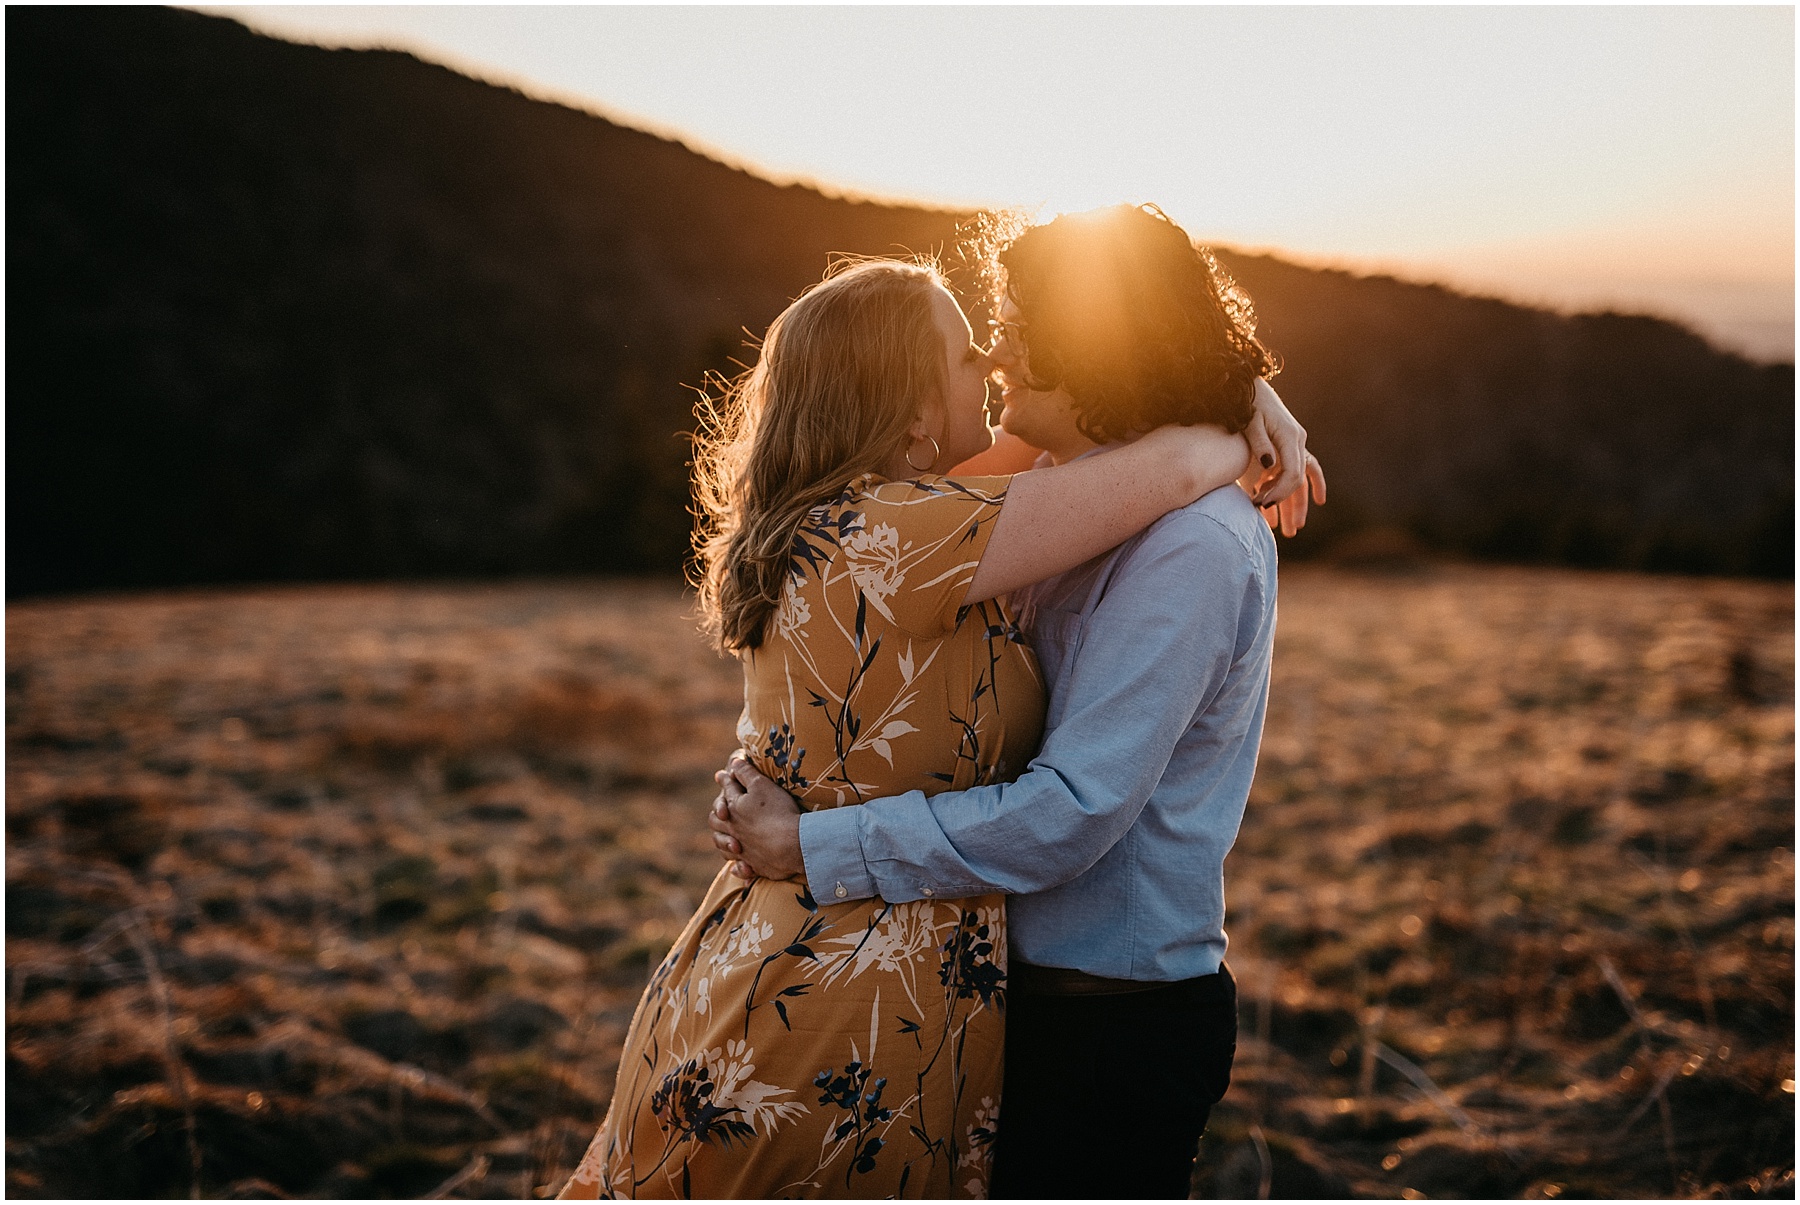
[[1012, 334]]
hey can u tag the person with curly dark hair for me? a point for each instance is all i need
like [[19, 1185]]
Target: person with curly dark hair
[[1132, 325], [1132, 318], [1121, 1014]]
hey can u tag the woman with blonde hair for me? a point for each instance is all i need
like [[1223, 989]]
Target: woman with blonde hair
[[797, 1046]]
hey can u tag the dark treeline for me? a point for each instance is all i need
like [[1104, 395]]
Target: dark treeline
[[1499, 431], [278, 312]]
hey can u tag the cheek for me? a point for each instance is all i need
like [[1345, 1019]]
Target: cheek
[[975, 399]]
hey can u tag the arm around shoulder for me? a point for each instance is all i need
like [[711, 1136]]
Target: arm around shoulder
[[1055, 519]]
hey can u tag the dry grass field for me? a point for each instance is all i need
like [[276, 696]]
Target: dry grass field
[[350, 891]]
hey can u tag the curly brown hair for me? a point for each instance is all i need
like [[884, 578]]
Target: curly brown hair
[[1125, 312]]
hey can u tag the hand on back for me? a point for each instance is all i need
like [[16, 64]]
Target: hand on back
[[756, 824]]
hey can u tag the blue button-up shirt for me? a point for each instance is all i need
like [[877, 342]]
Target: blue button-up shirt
[[1113, 841]]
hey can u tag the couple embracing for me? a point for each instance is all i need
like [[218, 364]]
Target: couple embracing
[[974, 669]]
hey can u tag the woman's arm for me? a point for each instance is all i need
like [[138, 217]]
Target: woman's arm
[[1054, 519]]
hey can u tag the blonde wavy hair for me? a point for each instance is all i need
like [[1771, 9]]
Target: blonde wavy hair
[[843, 373]]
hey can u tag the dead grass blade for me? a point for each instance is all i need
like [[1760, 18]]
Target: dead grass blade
[[1625, 997], [254, 1188], [1425, 1084], [1266, 1173], [1654, 1096], [1371, 1025], [1702, 981], [1657, 1094], [476, 1169], [177, 1066]]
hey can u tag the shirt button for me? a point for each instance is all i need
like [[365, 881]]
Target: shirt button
[[926, 891], [842, 891]]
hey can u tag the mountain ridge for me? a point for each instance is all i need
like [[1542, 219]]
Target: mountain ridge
[[307, 313]]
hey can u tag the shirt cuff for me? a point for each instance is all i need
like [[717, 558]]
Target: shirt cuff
[[831, 848]]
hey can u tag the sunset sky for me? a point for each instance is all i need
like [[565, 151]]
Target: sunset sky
[[1635, 156]]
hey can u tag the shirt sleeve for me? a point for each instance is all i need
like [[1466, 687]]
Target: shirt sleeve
[[1153, 654], [912, 547]]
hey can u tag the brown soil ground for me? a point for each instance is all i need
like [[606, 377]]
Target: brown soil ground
[[351, 891]]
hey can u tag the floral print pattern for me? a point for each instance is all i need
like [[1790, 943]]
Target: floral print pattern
[[793, 1046]]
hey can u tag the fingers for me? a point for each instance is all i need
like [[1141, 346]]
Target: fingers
[[1297, 505], [1294, 508], [723, 839], [722, 803], [748, 793], [749, 778], [719, 817], [1262, 448], [729, 792], [1291, 458], [1289, 439], [743, 773], [738, 757], [1293, 511], [766, 793]]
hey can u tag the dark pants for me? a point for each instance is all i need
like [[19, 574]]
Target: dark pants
[[1106, 1095]]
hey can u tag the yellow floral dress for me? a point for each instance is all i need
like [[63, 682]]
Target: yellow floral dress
[[792, 1046]]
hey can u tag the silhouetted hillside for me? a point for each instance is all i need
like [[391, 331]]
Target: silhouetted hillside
[[284, 312], [1519, 434], [278, 312]]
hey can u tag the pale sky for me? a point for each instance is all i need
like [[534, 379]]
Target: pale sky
[[1635, 156]]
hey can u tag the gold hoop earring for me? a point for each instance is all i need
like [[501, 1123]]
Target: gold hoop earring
[[936, 452]]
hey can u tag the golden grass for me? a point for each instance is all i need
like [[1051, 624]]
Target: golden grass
[[1480, 789], [356, 886]]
